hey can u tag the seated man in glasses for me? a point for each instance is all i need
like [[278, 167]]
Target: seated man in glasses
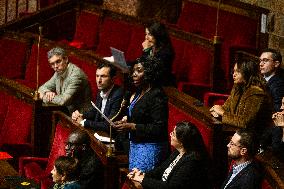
[[245, 172], [91, 169], [69, 86], [270, 67]]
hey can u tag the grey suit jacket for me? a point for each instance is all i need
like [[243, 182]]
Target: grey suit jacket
[[75, 91]]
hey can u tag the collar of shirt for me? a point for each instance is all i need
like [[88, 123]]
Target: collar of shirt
[[268, 77], [238, 168], [105, 95]]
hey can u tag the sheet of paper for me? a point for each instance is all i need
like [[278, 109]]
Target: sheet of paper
[[102, 138]]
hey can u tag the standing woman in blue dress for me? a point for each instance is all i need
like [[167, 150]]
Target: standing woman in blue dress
[[147, 119]]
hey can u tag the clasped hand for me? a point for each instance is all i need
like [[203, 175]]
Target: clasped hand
[[147, 44], [77, 116], [48, 96], [217, 111], [136, 175], [123, 125]]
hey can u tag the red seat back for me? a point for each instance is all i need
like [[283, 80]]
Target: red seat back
[[90, 70], [87, 29], [58, 145], [176, 115], [13, 55], [16, 127], [113, 33], [134, 49], [45, 71]]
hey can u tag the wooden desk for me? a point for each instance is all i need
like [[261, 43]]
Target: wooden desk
[[6, 170]]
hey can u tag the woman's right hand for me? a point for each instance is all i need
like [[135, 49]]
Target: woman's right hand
[[147, 44]]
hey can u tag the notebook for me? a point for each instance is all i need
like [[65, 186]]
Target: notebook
[[119, 58]]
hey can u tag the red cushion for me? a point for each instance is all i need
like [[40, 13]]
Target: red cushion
[[113, 33]]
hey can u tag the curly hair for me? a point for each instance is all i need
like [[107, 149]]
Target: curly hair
[[153, 70]]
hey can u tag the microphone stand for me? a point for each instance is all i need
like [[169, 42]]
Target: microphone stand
[[36, 95]]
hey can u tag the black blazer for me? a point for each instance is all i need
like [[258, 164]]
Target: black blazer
[[249, 178], [275, 86], [93, 118], [189, 172], [150, 114]]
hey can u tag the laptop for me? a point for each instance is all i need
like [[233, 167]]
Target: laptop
[[119, 58]]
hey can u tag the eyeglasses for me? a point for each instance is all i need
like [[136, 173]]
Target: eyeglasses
[[265, 60], [69, 145], [173, 133], [59, 61], [231, 143]]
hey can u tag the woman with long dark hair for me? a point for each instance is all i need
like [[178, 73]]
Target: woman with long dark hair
[[185, 168], [157, 44], [248, 105]]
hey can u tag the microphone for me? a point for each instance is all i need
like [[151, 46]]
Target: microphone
[[123, 106]]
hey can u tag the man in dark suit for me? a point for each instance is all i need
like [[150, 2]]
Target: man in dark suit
[[270, 62], [109, 99], [245, 173]]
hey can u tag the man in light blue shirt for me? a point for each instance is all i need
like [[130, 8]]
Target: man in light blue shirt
[[245, 173]]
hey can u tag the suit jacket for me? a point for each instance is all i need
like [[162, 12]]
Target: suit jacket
[[250, 110], [74, 92], [94, 119], [275, 86], [91, 171], [150, 114], [189, 172], [166, 56], [248, 178]]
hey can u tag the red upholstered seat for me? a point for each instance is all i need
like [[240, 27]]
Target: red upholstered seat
[[134, 49], [15, 130], [12, 58], [177, 115], [90, 70], [113, 33], [198, 18], [211, 99], [3, 107], [16, 127], [45, 71], [39, 168], [201, 19], [86, 34], [192, 67]]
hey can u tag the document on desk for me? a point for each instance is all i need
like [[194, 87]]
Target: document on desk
[[102, 138]]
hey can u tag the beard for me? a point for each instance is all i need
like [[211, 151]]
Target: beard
[[234, 156]]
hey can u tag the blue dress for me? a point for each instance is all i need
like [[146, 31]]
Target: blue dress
[[149, 142]]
